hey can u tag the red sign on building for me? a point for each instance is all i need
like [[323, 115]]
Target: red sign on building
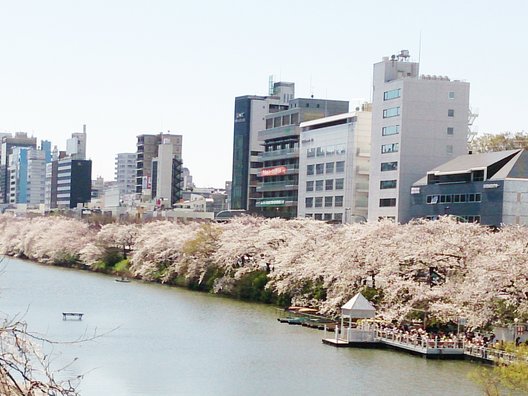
[[276, 171]]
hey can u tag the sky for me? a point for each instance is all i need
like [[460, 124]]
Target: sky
[[129, 67]]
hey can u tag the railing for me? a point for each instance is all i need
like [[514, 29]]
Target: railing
[[277, 153], [495, 355], [419, 341]]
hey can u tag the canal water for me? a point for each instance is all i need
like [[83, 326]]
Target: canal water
[[157, 340]]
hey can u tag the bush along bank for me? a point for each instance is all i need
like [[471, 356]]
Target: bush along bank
[[443, 267]]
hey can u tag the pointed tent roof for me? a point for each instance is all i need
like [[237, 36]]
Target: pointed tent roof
[[358, 307]]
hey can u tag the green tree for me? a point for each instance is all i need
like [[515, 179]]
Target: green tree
[[498, 142]]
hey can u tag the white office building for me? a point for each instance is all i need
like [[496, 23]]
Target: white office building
[[418, 123], [125, 173], [334, 167]]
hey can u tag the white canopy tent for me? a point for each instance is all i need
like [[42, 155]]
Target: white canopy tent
[[358, 307]]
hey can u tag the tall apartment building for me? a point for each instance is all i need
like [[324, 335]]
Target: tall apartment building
[[418, 123], [125, 173], [334, 167], [278, 175], [249, 120], [167, 174], [73, 183], [8, 144], [147, 150]]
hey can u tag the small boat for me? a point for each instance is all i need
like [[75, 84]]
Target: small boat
[[122, 279]]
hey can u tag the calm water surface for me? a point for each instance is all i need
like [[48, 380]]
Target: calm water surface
[[169, 341]]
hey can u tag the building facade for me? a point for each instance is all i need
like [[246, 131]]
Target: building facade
[[167, 174], [73, 183], [418, 123], [9, 142], [125, 173], [248, 121], [277, 179], [334, 167], [147, 150], [489, 188]]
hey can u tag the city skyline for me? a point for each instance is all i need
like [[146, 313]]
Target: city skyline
[[128, 68]]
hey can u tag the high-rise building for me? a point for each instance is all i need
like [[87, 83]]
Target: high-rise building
[[147, 150], [278, 174], [74, 183], [249, 120], [334, 167], [8, 144], [418, 123], [167, 179], [125, 173], [76, 145]]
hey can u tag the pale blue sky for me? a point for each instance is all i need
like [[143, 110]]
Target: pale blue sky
[[131, 67]]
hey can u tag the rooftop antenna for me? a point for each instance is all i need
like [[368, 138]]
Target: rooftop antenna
[[271, 90], [419, 53]]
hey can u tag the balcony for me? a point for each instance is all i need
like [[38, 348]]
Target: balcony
[[278, 154], [286, 185]]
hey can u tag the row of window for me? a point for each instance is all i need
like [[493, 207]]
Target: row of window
[[328, 168], [390, 148], [395, 112], [396, 93], [325, 185], [387, 202], [453, 198], [288, 119], [337, 149], [325, 216], [395, 129], [389, 166], [328, 202], [386, 184]]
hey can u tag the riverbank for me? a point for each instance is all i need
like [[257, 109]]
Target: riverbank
[[441, 268]]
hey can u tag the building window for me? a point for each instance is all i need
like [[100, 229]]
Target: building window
[[330, 150], [286, 120], [307, 104], [269, 123], [392, 94], [338, 217], [451, 95], [449, 149], [340, 166], [391, 112], [309, 170], [390, 130], [295, 118], [318, 202], [450, 113], [310, 152], [389, 166], [329, 184], [318, 216], [453, 198], [319, 185], [339, 184], [329, 167], [309, 202], [450, 131], [478, 175], [340, 149], [320, 152], [319, 169], [309, 185], [338, 201], [386, 202], [276, 122], [386, 184], [390, 148], [329, 201], [327, 216]]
